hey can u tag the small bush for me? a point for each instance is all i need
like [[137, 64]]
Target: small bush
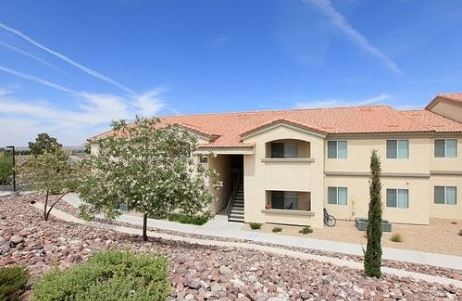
[[255, 226], [276, 229], [12, 282], [454, 222], [198, 219], [112, 275], [396, 237], [460, 232], [306, 230]]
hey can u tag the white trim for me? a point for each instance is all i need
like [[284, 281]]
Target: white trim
[[226, 151], [287, 160], [282, 124]]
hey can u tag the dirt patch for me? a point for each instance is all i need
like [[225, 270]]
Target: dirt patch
[[440, 236]]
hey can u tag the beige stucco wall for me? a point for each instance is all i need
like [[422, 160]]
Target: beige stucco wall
[[448, 109], [94, 148], [444, 210], [221, 164], [260, 177], [359, 152], [420, 194], [447, 164]]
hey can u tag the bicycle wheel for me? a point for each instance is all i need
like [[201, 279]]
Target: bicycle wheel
[[330, 221]]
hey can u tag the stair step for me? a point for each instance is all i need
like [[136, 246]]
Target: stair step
[[240, 205], [235, 220], [236, 216], [237, 210]]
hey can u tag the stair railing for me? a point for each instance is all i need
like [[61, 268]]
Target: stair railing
[[233, 193]]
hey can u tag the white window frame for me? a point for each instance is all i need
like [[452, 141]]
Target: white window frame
[[445, 147], [397, 198], [337, 188], [336, 149], [445, 201], [397, 149]]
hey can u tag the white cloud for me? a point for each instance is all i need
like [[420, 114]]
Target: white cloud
[[20, 119], [360, 40], [336, 102], [66, 59], [149, 103]]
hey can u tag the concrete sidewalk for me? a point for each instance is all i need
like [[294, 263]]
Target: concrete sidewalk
[[275, 250], [220, 227]]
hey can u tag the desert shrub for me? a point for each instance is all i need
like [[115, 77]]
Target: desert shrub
[[255, 226], [276, 229], [460, 232], [306, 230], [198, 219], [454, 222], [396, 237], [12, 282], [112, 275]]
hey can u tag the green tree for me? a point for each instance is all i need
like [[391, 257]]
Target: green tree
[[373, 254], [44, 143], [51, 174], [6, 167], [149, 166]]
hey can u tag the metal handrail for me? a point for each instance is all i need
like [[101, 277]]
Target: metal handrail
[[233, 193]]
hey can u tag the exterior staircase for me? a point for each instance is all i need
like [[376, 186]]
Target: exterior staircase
[[236, 212]]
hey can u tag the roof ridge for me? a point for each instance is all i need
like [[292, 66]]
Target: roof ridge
[[276, 110]]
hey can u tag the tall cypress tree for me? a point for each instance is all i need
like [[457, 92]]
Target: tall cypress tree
[[373, 254]]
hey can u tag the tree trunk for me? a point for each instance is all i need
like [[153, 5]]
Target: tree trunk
[[45, 206], [145, 226], [47, 213]]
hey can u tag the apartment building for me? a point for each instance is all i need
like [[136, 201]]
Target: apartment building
[[286, 166]]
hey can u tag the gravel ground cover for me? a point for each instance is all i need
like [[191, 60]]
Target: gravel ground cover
[[420, 268], [197, 272]]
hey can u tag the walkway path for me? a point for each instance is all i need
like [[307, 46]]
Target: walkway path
[[275, 250], [220, 227]]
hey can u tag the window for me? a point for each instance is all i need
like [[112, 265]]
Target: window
[[284, 150], [337, 195], [398, 198], [337, 149], [397, 149], [445, 148], [284, 200], [445, 195]]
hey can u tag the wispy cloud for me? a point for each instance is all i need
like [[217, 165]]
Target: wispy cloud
[[219, 41], [66, 59], [340, 102], [359, 39], [90, 113], [30, 55], [37, 79]]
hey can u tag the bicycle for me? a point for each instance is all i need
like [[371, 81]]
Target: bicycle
[[329, 220]]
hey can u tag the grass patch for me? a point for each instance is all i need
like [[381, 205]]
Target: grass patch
[[112, 275], [276, 229], [198, 219], [255, 226], [306, 230], [396, 237], [12, 282]]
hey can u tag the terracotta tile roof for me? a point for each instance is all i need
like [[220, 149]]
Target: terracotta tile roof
[[227, 129], [451, 97], [435, 121]]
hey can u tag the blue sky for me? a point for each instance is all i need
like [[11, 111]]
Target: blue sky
[[69, 67]]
